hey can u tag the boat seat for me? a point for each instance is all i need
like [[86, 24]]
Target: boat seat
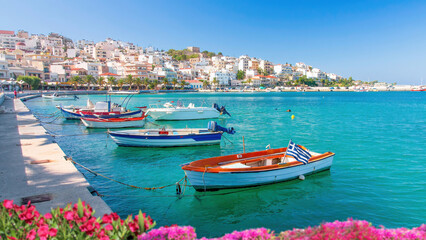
[[235, 165]]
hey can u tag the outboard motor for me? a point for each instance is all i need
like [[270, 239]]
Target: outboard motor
[[222, 110], [214, 127]]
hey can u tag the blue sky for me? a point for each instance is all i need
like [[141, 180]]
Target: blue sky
[[368, 40]]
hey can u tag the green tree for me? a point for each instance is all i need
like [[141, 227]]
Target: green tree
[[155, 84], [138, 83], [75, 81], [183, 83], [112, 81], [129, 80], [120, 83], [249, 81], [220, 54], [165, 82], [89, 79], [240, 74], [101, 82], [32, 81], [174, 82], [205, 84], [145, 82], [215, 82]]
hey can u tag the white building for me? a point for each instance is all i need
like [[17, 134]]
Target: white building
[[10, 41], [243, 63], [195, 84], [316, 73], [91, 67], [223, 77]]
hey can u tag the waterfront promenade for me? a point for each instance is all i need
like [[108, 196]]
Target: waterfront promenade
[[33, 166]]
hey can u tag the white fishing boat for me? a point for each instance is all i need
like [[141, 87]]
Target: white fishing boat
[[180, 112], [122, 92], [58, 97], [104, 109], [114, 122], [254, 168], [170, 137]]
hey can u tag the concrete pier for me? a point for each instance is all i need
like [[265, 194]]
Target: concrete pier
[[33, 167]]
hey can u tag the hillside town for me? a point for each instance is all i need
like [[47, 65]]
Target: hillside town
[[61, 62]]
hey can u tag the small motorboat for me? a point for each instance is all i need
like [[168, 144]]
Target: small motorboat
[[114, 122], [170, 137], [190, 112], [419, 89], [104, 109], [122, 92], [254, 168], [101, 110], [58, 97]]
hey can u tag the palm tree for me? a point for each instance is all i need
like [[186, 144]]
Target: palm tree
[[183, 84], [89, 79], [101, 82], [112, 81], [165, 82], [120, 83], [145, 82], [138, 82], [249, 81], [75, 80], [205, 84], [174, 82], [156, 84], [215, 82], [129, 80]]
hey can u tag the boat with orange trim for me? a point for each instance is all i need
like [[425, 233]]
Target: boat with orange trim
[[114, 122], [253, 169]]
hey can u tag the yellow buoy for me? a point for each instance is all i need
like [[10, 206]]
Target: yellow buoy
[[292, 117]]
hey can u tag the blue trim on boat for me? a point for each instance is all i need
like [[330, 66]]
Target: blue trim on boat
[[200, 137]]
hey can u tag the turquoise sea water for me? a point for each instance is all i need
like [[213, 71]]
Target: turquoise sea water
[[378, 172]]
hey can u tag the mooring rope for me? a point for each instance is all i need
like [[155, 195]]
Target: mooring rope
[[111, 179]]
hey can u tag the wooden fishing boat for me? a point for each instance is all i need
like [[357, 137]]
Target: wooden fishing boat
[[104, 109], [170, 137], [252, 169], [78, 113], [114, 122]]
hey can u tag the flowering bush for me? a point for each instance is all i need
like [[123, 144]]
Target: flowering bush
[[72, 222], [77, 222]]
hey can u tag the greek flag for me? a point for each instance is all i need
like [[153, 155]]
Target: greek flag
[[298, 153]]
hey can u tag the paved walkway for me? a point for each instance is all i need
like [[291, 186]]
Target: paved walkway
[[33, 166]]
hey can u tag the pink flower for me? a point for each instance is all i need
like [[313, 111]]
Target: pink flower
[[69, 215], [8, 204], [53, 231], [108, 227], [106, 218], [31, 235], [48, 216], [43, 232]]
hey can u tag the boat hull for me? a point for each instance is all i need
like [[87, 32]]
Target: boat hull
[[109, 124], [166, 141], [182, 114], [207, 181], [76, 115], [58, 98]]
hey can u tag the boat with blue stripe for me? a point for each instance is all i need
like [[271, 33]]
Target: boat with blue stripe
[[170, 137]]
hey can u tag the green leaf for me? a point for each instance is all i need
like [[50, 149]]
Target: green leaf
[[80, 208], [141, 221]]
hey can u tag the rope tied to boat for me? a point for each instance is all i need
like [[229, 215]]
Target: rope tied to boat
[[126, 184]]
